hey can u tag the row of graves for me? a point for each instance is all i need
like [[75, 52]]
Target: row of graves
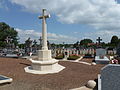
[[11, 49], [92, 51], [14, 51], [31, 46], [86, 52], [68, 52]]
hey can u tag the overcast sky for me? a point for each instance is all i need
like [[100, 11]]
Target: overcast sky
[[71, 20]]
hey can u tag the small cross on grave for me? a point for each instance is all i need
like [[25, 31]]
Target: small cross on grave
[[99, 40], [35, 42], [9, 42]]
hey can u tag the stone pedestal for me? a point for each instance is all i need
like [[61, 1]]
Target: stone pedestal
[[44, 64], [44, 55]]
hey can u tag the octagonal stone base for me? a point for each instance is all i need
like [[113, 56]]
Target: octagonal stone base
[[44, 55], [44, 67]]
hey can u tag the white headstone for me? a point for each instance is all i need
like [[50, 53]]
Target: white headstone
[[100, 57]]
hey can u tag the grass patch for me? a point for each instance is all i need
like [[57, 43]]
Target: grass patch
[[73, 57], [59, 57]]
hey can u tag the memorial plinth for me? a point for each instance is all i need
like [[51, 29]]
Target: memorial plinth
[[44, 63]]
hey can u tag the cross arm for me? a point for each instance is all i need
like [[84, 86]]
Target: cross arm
[[46, 16]]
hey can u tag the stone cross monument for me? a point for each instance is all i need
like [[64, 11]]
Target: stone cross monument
[[44, 63], [44, 29], [44, 54]]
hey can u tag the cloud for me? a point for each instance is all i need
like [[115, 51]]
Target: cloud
[[101, 14], [106, 35], [52, 37]]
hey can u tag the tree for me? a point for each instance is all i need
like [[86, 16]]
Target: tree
[[53, 45], [22, 45], [5, 32], [76, 45], [114, 41], [85, 42]]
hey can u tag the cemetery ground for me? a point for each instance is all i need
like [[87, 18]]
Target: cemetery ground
[[73, 76]]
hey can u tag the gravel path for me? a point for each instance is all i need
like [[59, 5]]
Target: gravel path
[[73, 76]]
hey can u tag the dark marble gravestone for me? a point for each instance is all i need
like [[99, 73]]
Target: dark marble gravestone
[[110, 77]]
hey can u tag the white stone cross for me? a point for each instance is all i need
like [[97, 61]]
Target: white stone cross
[[44, 29]]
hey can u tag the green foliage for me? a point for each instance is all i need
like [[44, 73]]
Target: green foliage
[[85, 42], [2, 44], [53, 45], [103, 45], [7, 31], [59, 57], [76, 45], [73, 57], [21, 46], [114, 41]]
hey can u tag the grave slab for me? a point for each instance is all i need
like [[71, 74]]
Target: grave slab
[[4, 79]]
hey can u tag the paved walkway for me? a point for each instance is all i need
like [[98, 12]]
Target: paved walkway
[[82, 88], [78, 61]]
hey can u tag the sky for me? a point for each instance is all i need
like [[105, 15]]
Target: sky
[[70, 21]]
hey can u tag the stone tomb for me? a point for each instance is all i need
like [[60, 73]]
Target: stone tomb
[[109, 78], [100, 57]]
